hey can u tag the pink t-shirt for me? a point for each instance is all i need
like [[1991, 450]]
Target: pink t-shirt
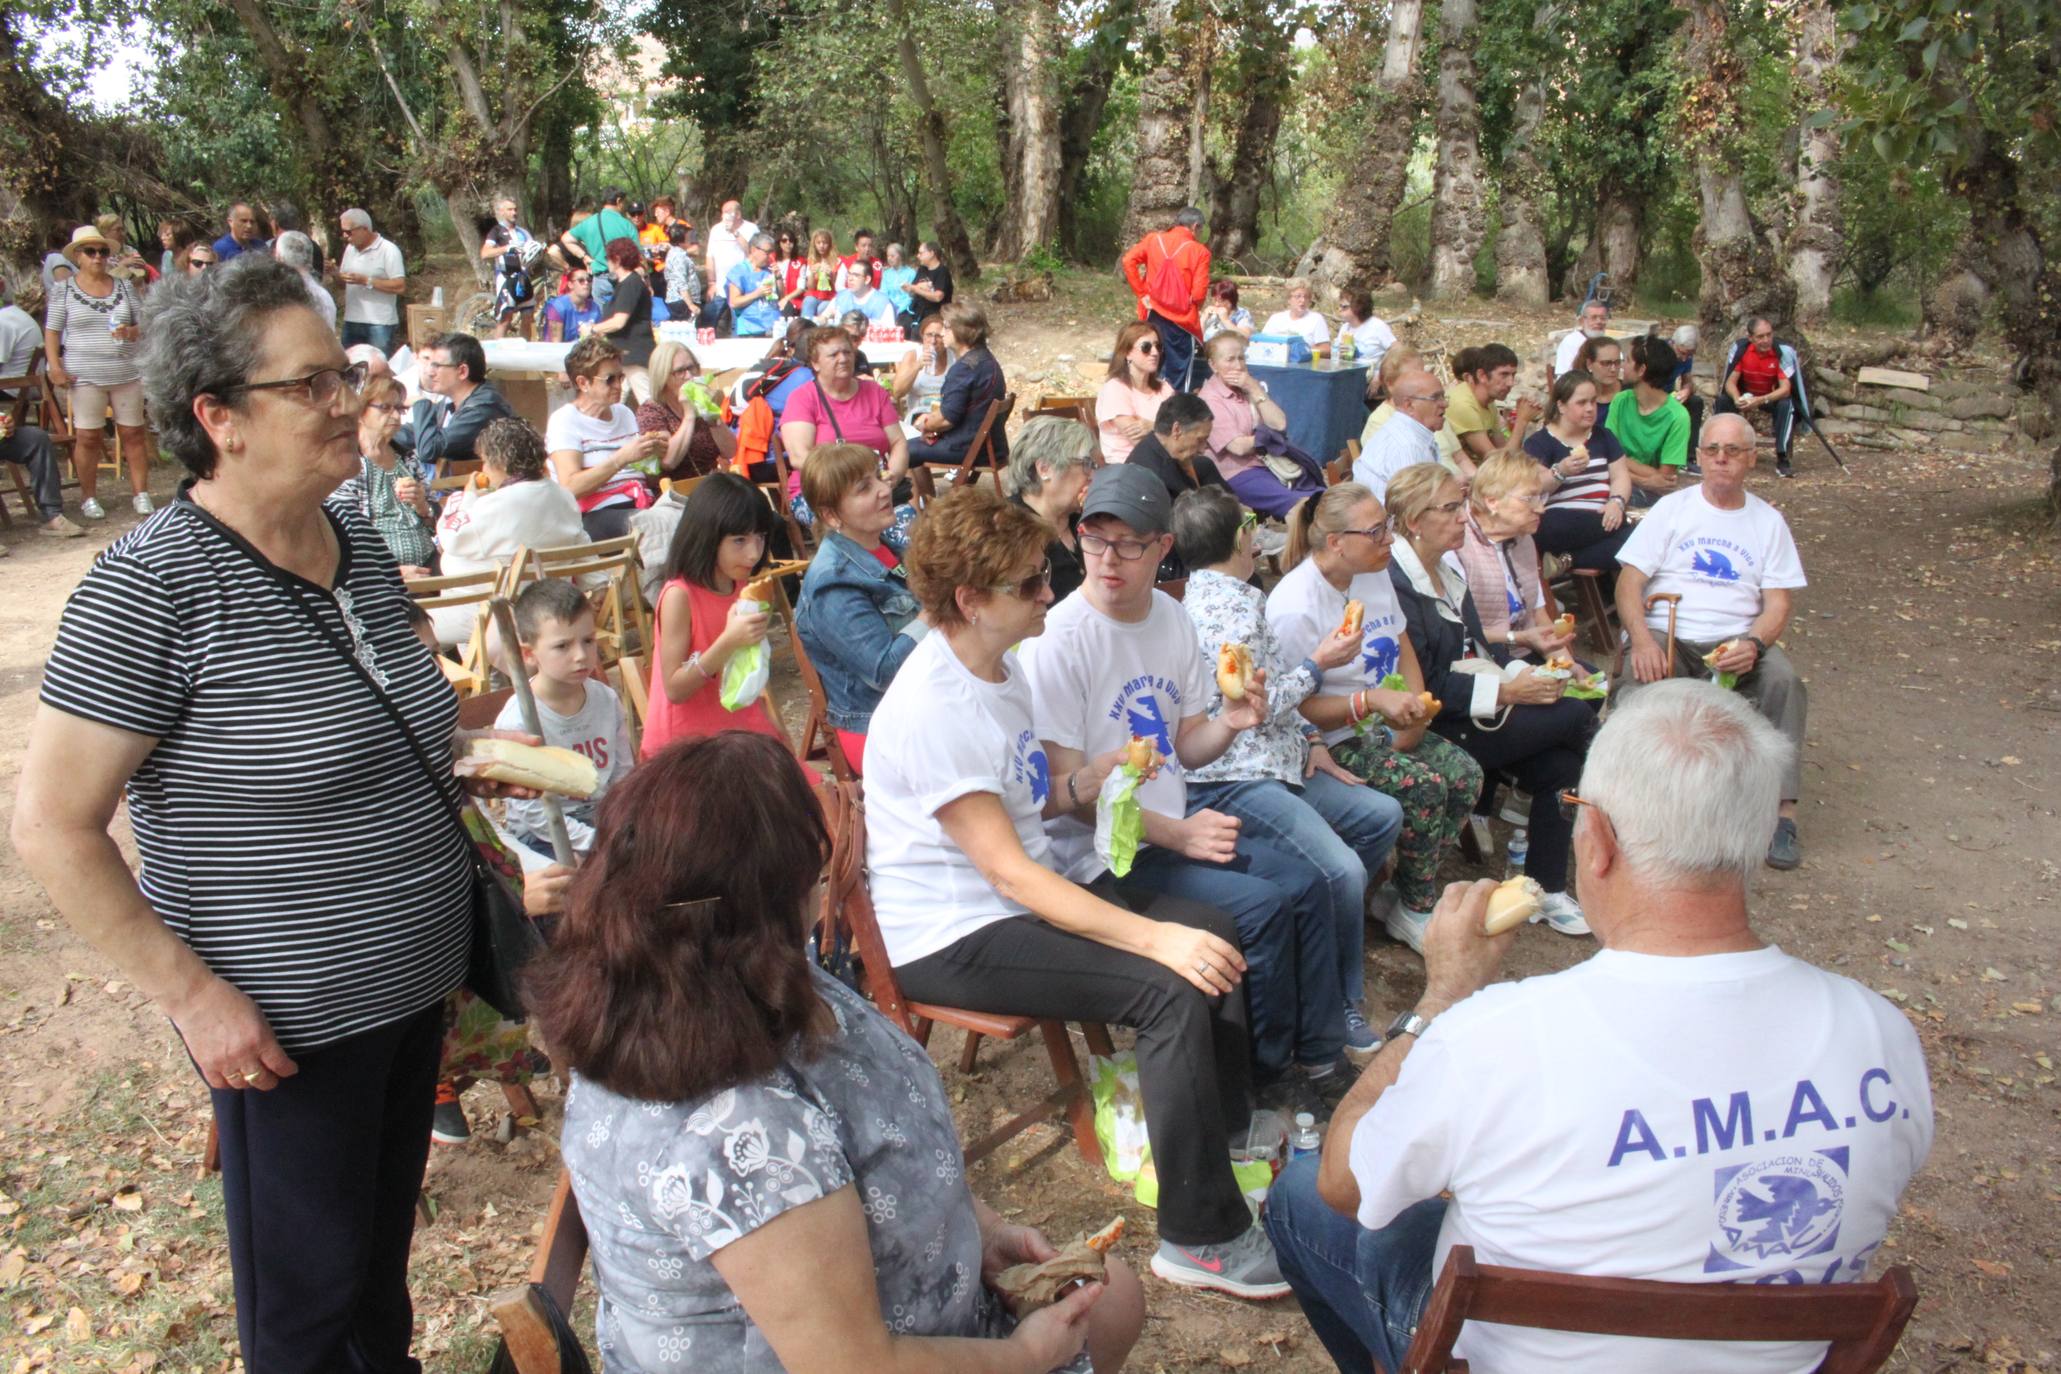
[[868, 418], [1118, 398], [1231, 418]]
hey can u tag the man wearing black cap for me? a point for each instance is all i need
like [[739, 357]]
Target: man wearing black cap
[[1119, 660]]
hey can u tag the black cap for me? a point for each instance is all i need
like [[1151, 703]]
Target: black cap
[[1133, 495]]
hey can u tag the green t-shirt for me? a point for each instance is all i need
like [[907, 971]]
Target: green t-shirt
[[1657, 440], [594, 232]]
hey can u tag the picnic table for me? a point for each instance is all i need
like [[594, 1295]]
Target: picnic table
[[1326, 403]]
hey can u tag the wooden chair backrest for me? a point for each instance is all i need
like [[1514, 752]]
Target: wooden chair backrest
[[1080, 408], [848, 906], [1177, 588], [475, 589], [35, 403], [457, 467], [621, 622], [479, 712], [457, 481], [1339, 469], [1861, 1320], [817, 730]]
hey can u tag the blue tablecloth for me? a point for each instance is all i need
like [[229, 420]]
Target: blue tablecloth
[[1326, 404]]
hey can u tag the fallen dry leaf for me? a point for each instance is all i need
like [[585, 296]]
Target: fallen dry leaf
[[1993, 1268], [77, 1325]]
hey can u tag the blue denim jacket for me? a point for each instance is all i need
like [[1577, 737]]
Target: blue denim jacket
[[851, 616]]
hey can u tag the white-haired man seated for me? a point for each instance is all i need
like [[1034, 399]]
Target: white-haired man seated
[[1730, 557], [1691, 1104]]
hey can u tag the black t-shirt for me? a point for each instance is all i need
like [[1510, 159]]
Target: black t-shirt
[[939, 276], [633, 298]]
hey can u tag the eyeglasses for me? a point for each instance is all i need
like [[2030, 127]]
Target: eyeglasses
[[582, 278], [1570, 800], [385, 407], [1248, 521], [1129, 550], [1537, 500], [611, 379], [436, 362], [1029, 587], [93, 252], [1728, 450], [1145, 346], [1380, 534], [1435, 399], [322, 384], [200, 262], [1448, 507]]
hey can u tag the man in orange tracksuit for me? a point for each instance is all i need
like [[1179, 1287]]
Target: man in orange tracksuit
[[1169, 273]]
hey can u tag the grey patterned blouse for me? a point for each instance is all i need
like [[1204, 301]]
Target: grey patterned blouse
[[1227, 611], [664, 1185]]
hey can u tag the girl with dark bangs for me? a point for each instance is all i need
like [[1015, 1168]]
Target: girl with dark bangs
[[719, 546], [738, 1118]]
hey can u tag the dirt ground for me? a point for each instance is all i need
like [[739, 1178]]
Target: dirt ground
[[1931, 640]]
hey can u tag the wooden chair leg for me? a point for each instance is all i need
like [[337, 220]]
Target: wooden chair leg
[[1097, 1036], [521, 1105], [1589, 592], [1080, 1103], [969, 1051]]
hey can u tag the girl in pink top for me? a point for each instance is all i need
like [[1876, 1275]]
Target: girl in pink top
[[719, 546], [1128, 402]]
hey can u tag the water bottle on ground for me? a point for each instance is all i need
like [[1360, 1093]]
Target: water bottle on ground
[[1519, 849], [1306, 1140]]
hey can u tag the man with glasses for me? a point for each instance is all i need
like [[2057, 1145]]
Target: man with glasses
[[1729, 557], [1690, 1105], [373, 278], [1119, 661], [457, 403], [1411, 435], [567, 316], [1761, 375]]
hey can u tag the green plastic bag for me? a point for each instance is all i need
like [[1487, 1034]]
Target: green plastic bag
[[1598, 688], [1119, 820], [746, 674], [1126, 1151], [1372, 721]]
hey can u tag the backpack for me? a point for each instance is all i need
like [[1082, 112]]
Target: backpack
[[1166, 286], [515, 279]]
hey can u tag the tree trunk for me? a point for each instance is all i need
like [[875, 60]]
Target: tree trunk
[[1081, 116], [1031, 151], [1740, 278], [1620, 225], [1521, 274], [1166, 95], [1458, 219], [1356, 247], [930, 124], [1198, 126], [1234, 211], [1814, 238]]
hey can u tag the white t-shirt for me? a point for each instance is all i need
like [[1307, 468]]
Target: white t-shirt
[[939, 734], [1096, 682], [595, 730], [726, 248], [1731, 1118], [21, 339], [362, 304], [571, 428], [1717, 560], [1372, 338], [1312, 327], [1570, 351], [1305, 608]]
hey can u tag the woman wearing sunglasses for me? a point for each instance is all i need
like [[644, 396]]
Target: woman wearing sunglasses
[[90, 342], [1130, 399], [593, 438]]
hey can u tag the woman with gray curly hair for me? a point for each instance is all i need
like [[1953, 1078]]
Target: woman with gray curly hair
[[241, 666], [1049, 468]]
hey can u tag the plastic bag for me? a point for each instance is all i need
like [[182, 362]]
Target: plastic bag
[[1119, 820], [1119, 1115], [746, 674]]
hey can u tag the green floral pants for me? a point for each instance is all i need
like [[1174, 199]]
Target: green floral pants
[[1437, 784]]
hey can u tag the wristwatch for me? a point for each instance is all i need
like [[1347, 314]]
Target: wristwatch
[[1760, 645], [1409, 1023]]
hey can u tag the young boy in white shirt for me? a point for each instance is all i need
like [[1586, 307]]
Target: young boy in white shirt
[[555, 625]]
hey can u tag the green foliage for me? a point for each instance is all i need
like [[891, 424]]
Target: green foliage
[[1041, 257]]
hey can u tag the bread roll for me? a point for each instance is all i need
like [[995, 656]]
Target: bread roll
[[1512, 904], [1234, 671], [1140, 753], [759, 589], [1354, 614], [545, 767]]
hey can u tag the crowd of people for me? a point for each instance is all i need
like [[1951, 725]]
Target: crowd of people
[[991, 658]]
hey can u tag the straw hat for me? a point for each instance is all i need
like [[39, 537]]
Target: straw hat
[[82, 237]]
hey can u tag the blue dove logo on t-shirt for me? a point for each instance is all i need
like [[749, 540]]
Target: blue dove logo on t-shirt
[[1040, 776], [1790, 1209], [1711, 563], [1147, 722], [1381, 658]]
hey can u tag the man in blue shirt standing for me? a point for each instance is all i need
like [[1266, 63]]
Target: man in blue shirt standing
[[243, 234]]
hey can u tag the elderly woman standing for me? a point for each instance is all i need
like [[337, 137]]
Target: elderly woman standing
[[803, 1135], [974, 383], [241, 666], [1504, 504], [1238, 405], [1517, 720], [695, 444], [91, 330], [1049, 468], [856, 616]]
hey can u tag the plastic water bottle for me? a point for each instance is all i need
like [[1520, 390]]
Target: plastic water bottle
[[1306, 1140], [436, 298], [1520, 847]]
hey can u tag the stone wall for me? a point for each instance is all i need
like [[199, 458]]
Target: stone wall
[[1972, 410]]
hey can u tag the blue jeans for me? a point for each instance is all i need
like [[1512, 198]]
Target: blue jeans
[[1294, 1006], [604, 288], [1363, 1291], [380, 336], [1342, 831], [1176, 351]]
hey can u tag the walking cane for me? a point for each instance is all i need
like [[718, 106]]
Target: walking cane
[[1672, 599], [554, 814]]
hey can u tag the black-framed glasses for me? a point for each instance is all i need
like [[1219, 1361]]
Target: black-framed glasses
[[1380, 534], [1571, 801], [1145, 346], [1129, 550], [612, 379], [322, 384], [1029, 587]]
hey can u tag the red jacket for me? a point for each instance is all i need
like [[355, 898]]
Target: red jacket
[[1192, 258]]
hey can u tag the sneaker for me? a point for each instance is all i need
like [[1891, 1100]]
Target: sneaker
[[91, 509], [1244, 1268], [1407, 927], [60, 528], [1785, 852], [1516, 807], [1692, 469], [141, 503], [448, 1126], [1782, 466], [1561, 912], [1360, 1039], [1330, 1082]]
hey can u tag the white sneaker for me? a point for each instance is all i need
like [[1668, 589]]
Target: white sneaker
[[142, 503], [1407, 927], [1484, 838], [1561, 912], [91, 509], [1516, 807], [1268, 541]]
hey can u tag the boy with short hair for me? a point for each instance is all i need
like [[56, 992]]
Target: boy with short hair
[[555, 625]]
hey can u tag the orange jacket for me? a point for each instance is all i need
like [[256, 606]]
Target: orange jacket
[[1191, 257]]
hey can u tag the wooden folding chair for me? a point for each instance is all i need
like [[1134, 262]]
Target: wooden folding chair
[[1339, 469], [1080, 408], [819, 742], [799, 536], [456, 467], [621, 623], [1593, 608], [1861, 1320], [23, 408], [472, 673], [535, 1319], [631, 677], [982, 450], [848, 922]]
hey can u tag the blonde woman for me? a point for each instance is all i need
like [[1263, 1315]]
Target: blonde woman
[[1504, 503], [681, 409]]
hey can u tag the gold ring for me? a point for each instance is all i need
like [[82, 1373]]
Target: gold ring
[[251, 1075]]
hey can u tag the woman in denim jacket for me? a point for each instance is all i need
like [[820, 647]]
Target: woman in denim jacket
[[856, 618]]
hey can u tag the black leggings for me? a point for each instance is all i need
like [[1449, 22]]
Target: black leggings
[[1579, 531], [1543, 748]]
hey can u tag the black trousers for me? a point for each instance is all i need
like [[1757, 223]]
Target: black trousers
[[1543, 748], [607, 522], [32, 449], [319, 1180], [1579, 531], [1191, 1047]]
